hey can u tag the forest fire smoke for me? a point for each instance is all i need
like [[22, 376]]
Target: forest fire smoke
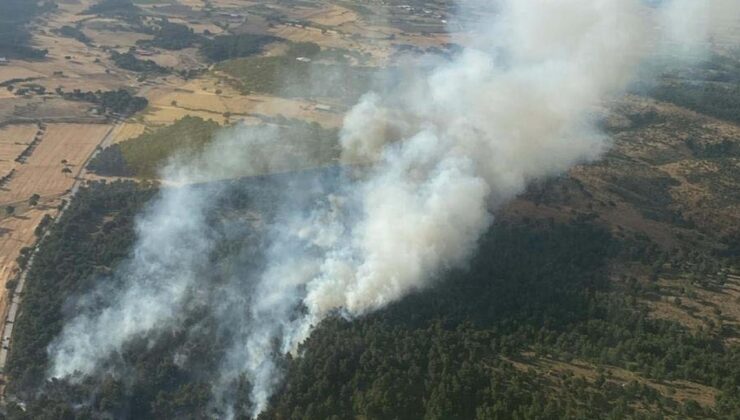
[[440, 153]]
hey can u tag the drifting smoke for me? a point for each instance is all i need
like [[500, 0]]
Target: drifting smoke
[[435, 157], [690, 24]]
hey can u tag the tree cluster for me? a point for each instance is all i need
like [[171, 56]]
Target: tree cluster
[[15, 40], [171, 36], [120, 101], [224, 47], [128, 61], [486, 342], [113, 8]]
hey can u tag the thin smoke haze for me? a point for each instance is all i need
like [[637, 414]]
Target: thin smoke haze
[[426, 165]]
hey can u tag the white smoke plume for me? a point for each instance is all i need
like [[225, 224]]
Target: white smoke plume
[[692, 24], [171, 251], [432, 159]]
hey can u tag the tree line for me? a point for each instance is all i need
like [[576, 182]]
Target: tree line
[[472, 346]]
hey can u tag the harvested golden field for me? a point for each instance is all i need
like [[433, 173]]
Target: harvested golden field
[[166, 115], [42, 172], [117, 39], [195, 101], [199, 98], [16, 70], [79, 71], [327, 39], [17, 232], [127, 131], [332, 16], [13, 140]]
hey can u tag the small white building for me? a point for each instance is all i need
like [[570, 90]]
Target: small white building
[[303, 59], [3, 61]]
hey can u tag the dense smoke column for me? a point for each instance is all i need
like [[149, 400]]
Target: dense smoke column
[[428, 163], [445, 151]]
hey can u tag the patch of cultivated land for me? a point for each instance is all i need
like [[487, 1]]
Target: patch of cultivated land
[[209, 99], [14, 139], [17, 232], [127, 131], [42, 172], [16, 70]]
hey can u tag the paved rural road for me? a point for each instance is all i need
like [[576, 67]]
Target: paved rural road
[[17, 296]]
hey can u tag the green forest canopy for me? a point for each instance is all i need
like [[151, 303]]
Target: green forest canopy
[[468, 348], [144, 155], [15, 15]]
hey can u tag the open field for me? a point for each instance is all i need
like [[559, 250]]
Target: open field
[[16, 71], [127, 131], [16, 232], [209, 98], [13, 140], [42, 172]]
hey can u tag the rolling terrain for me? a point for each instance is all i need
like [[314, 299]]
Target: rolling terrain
[[611, 291]]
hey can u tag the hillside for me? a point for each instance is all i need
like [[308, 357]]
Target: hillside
[[609, 291], [606, 293]]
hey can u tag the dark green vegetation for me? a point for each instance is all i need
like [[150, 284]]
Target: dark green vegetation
[[15, 15], [717, 100], [171, 36], [143, 156], [128, 61], [113, 8], [120, 101], [81, 246], [74, 32], [224, 47], [468, 348], [711, 88], [110, 162]]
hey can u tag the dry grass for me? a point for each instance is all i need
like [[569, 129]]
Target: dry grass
[[679, 390], [332, 15], [166, 115], [122, 39], [199, 98], [42, 173], [714, 309], [127, 131], [16, 70], [13, 140], [15, 233]]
